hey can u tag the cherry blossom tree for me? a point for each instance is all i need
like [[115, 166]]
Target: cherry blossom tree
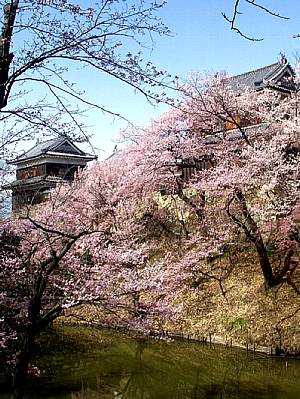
[[90, 244], [230, 163]]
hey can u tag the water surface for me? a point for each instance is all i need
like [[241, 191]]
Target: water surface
[[81, 363]]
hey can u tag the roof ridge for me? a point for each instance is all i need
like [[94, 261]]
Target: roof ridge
[[52, 139], [58, 141], [39, 144], [256, 70]]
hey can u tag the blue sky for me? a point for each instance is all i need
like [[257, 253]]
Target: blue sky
[[203, 41]]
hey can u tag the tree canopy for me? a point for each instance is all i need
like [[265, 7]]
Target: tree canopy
[[135, 232], [44, 42]]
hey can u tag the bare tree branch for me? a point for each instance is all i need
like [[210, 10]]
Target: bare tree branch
[[233, 19]]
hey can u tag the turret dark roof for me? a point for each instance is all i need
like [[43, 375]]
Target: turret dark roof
[[267, 76], [58, 145]]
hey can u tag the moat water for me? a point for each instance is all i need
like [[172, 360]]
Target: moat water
[[81, 363]]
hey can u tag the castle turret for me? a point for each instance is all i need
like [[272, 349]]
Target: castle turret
[[41, 168]]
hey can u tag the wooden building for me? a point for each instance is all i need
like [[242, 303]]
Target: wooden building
[[44, 166], [279, 76]]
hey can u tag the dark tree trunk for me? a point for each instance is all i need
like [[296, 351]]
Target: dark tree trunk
[[6, 57], [37, 324], [36, 321], [22, 363], [254, 235], [264, 261], [33, 328]]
